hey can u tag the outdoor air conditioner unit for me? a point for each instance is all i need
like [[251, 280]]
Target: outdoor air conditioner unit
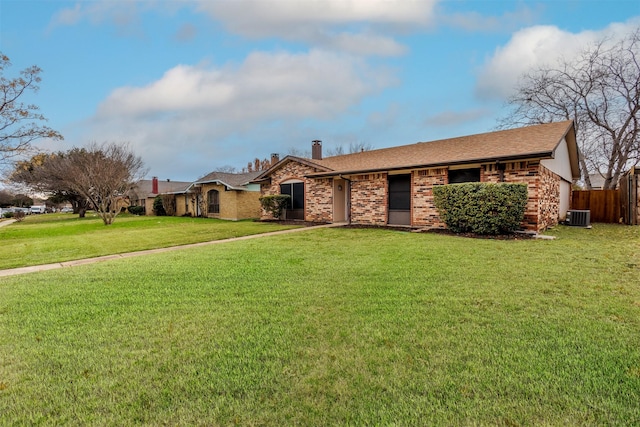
[[578, 218]]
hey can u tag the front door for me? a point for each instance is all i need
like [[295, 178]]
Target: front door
[[340, 195]]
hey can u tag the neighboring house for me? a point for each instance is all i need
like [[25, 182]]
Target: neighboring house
[[146, 191], [221, 195], [393, 186]]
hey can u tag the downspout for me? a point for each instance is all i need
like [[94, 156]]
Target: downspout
[[348, 190]]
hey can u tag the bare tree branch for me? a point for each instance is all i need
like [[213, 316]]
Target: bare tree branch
[[101, 174], [18, 122], [600, 91]]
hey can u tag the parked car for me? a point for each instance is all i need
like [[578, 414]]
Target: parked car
[[38, 209], [66, 209]]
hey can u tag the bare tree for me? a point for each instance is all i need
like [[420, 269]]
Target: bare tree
[[600, 91], [36, 174], [102, 174], [354, 147], [18, 122]]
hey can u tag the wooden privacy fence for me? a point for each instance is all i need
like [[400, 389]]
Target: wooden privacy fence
[[629, 203], [603, 204]]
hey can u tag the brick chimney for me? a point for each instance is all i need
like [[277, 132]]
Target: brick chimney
[[154, 185], [316, 150], [275, 158]]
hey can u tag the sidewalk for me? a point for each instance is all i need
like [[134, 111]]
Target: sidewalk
[[45, 267], [7, 222]]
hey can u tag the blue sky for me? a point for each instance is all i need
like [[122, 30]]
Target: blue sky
[[196, 85]]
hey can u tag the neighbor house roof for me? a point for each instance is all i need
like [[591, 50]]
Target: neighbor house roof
[[234, 181], [144, 187], [537, 141]]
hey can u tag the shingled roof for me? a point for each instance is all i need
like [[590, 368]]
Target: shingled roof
[[235, 181], [537, 141], [144, 187], [532, 141]]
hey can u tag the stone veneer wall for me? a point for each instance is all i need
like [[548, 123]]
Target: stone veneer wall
[[424, 212], [369, 199]]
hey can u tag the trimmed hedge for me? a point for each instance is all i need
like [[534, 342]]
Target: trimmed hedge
[[136, 210], [483, 208]]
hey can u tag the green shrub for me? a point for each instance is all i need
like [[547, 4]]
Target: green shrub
[[482, 208], [136, 210], [8, 214], [158, 207], [275, 204]]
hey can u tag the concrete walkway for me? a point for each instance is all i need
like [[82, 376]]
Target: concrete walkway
[[6, 222], [45, 267]]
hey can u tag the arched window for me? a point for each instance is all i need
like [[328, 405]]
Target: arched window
[[213, 197]]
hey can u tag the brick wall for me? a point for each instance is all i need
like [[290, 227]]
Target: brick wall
[[318, 201], [548, 199], [369, 193], [543, 206], [248, 204], [234, 204], [369, 199], [181, 204], [148, 206], [424, 211]]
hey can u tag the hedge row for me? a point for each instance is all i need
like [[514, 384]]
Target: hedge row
[[483, 208]]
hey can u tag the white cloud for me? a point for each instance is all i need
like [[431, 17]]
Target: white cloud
[[354, 26], [202, 109], [264, 17], [535, 47], [267, 85], [68, 16], [474, 21], [121, 14], [366, 44], [362, 27]]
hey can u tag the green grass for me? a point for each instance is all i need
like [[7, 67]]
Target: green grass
[[333, 327], [44, 239]]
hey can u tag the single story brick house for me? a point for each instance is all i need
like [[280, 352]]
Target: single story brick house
[[221, 195], [393, 186]]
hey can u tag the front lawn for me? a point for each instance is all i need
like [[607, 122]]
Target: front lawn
[[49, 238], [333, 327]]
